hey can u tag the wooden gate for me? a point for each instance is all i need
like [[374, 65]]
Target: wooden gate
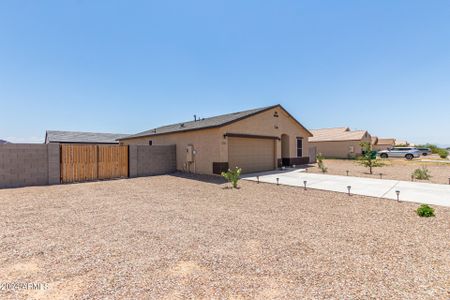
[[92, 162]]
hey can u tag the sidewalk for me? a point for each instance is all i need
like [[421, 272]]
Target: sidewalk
[[437, 194]]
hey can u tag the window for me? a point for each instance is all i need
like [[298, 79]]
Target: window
[[150, 142], [299, 147]]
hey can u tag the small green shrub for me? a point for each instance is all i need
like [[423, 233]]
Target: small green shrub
[[233, 176], [320, 163], [425, 211], [442, 153], [421, 174]]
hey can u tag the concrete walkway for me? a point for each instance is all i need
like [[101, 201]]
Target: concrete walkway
[[437, 194]]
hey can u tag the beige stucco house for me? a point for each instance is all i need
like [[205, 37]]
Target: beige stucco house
[[340, 142], [255, 140], [380, 144]]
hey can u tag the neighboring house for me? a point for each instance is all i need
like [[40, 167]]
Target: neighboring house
[[402, 143], [379, 144], [340, 142], [255, 140], [4, 142], [74, 137]]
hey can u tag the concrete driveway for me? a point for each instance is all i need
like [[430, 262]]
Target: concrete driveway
[[437, 194]]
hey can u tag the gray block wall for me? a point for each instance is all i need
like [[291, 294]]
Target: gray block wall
[[29, 164], [152, 160], [39, 164]]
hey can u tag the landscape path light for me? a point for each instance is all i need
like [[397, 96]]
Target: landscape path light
[[257, 179], [278, 181], [349, 187], [398, 195], [304, 184], [381, 175], [347, 172]]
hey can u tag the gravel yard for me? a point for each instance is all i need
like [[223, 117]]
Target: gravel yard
[[168, 237], [398, 169]]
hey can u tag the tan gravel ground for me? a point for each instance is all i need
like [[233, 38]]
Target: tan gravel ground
[[398, 169], [169, 237]]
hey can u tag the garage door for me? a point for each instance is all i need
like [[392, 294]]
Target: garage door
[[251, 154]]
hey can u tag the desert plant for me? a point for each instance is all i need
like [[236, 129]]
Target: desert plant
[[442, 153], [421, 174], [233, 176], [320, 163], [425, 211], [369, 159]]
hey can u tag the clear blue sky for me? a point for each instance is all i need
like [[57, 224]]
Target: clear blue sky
[[128, 66]]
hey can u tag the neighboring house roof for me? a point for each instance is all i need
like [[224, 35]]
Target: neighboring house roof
[[54, 136], [401, 142], [386, 141], [336, 135], [212, 122], [4, 142]]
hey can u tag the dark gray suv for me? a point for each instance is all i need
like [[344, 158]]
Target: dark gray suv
[[425, 151]]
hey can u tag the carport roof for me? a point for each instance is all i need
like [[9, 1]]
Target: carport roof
[[204, 123], [57, 136]]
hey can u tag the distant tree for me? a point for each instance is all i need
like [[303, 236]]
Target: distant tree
[[368, 158]]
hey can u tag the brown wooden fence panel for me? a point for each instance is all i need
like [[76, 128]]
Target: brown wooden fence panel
[[91, 162], [78, 163], [112, 162]]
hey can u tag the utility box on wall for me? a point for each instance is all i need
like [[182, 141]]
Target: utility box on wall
[[190, 153]]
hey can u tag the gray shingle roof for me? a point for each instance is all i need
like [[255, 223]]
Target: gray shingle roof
[[216, 121], [54, 136]]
